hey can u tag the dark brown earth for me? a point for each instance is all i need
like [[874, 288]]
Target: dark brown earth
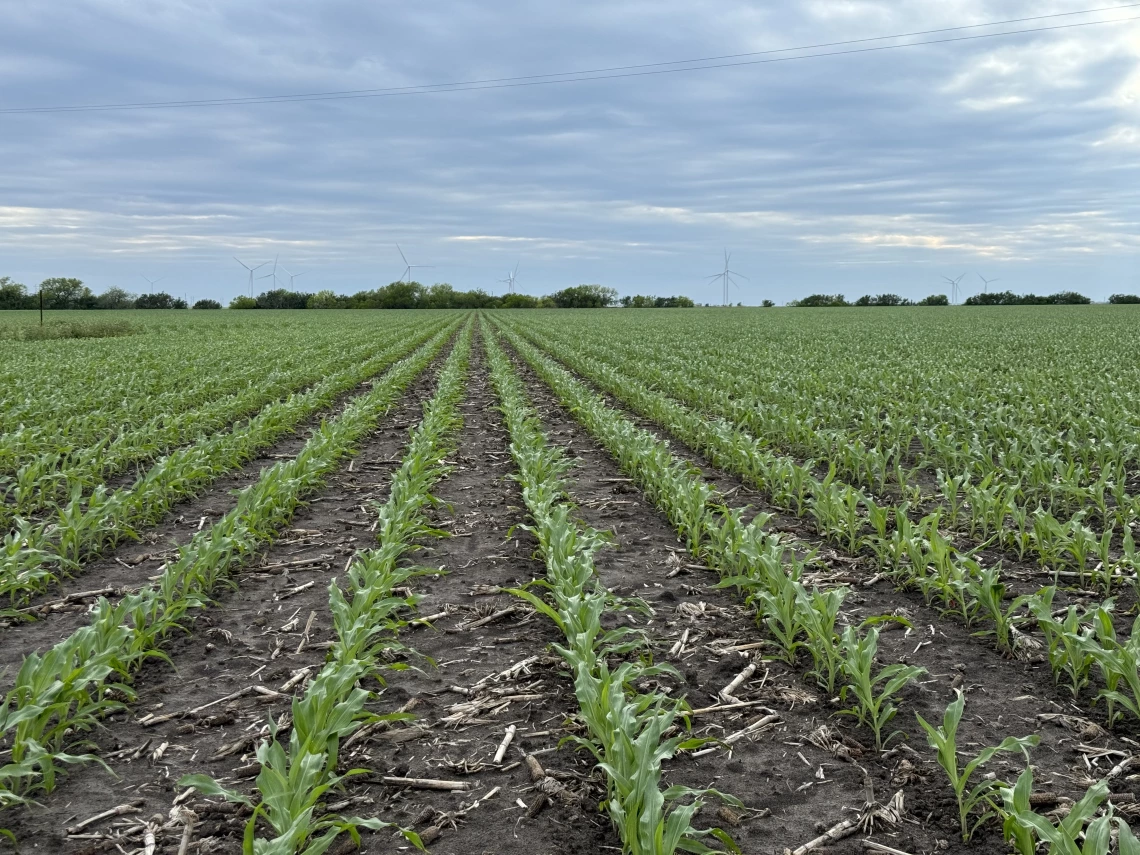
[[251, 637], [61, 610], [1004, 697], [255, 636]]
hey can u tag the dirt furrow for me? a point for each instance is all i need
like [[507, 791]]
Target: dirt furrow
[[131, 564], [1004, 697], [486, 632], [789, 784], [260, 635]]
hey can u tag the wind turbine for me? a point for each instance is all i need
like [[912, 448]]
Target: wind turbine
[[293, 276], [250, 269], [512, 277], [986, 283], [272, 275], [725, 276], [410, 267], [152, 282], [954, 287]]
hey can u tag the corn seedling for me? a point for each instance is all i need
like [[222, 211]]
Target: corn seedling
[[1066, 640], [981, 799], [1025, 828], [64, 692], [1118, 662], [295, 777], [819, 613], [872, 693], [988, 591], [627, 732]]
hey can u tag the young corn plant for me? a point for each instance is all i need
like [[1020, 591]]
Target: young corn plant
[[1119, 664], [1049, 539], [777, 603], [1066, 640], [1081, 544], [295, 776], [57, 696], [1019, 536], [1025, 828], [819, 614], [628, 739], [628, 733], [978, 803], [872, 692], [1106, 571], [989, 592], [951, 489]]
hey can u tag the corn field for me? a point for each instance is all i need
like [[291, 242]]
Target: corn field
[[573, 581]]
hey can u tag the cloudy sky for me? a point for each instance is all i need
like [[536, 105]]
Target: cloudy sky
[[1014, 157]]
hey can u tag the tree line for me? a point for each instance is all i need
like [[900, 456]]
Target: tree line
[[68, 293], [838, 300], [997, 298], [413, 295]]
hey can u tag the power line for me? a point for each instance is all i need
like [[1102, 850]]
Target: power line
[[616, 72]]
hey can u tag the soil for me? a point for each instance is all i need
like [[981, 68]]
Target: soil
[[483, 664], [1004, 696], [252, 636], [61, 610]]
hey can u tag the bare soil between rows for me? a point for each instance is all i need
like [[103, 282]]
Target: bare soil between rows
[[132, 563], [484, 664], [258, 634], [1004, 697]]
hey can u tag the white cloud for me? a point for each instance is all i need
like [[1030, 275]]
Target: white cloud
[[1015, 152]]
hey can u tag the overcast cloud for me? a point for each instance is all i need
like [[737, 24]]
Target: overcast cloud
[[1016, 157]]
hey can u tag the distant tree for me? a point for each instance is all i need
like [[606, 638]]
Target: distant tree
[[207, 304], [1008, 298], [64, 293], [439, 296], [818, 300], [281, 298], [399, 295], [115, 298], [934, 300], [1116, 299], [477, 299], [584, 297], [993, 298], [642, 302], [882, 300], [243, 302], [325, 300], [767, 304], [519, 301], [161, 300], [362, 300], [13, 295], [1069, 298]]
